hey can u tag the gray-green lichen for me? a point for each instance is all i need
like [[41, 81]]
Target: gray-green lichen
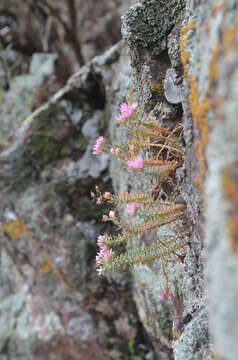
[[18, 102], [148, 23], [52, 164], [221, 256], [49, 171], [194, 342]]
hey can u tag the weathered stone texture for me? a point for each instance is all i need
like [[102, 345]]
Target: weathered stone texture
[[52, 303], [47, 171]]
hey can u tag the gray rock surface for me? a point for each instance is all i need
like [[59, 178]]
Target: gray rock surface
[[51, 301]]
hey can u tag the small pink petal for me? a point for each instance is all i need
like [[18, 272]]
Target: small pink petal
[[136, 163], [100, 239], [131, 208], [162, 296], [126, 111], [97, 149], [107, 254]]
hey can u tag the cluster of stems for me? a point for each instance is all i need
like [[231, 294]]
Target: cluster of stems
[[165, 156], [164, 144]]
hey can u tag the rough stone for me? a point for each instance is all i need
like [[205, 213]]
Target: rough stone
[[48, 170]]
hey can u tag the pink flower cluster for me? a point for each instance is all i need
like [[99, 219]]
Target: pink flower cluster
[[131, 208], [126, 111], [97, 149], [165, 295], [136, 163], [153, 188], [104, 255]]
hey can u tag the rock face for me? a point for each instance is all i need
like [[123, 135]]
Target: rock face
[[203, 36], [52, 303], [180, 58]]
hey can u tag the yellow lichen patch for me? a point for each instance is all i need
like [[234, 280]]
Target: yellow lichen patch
[[229, 36], [219, 6], [157, 88], [199, 111], [203, 109], [232, 227], [230, 187], [193, 99], [213, 68], [184, 55], [14, 229], [198, 182], [200, 155], [46, 267]]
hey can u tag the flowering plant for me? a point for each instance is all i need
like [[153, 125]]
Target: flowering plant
[[150, 146]]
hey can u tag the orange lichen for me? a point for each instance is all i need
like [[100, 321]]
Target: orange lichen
[[204, 108], [230, 187], [232, 227], [220, 6], [46, 267], [193, 99], [228, 37], [184, 55], [213, 68], [199, 110], [14, 229], [200, 155], [198, 181]]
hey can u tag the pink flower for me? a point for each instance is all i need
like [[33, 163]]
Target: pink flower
[[100, 239], [107, 254], [131, 208], [169, 297], [97, 149], [104, 255], [112, 150], [126, 111], [111, 214], [165, 295], [162, 295], [136, 163], [153, 188]]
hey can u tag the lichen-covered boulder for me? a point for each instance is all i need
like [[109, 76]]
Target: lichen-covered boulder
[[52, 303], [182, 69]]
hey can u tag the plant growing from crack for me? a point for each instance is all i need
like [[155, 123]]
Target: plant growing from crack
[[150, 146]]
